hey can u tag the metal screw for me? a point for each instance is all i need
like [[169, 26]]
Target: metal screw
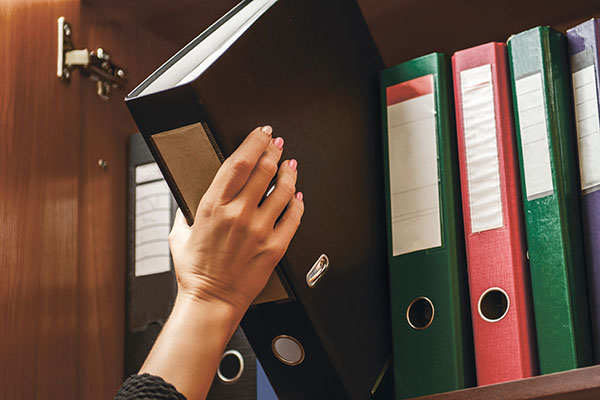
[[120, 73], [67, 30], [102, 164], [102, 54], [66, 73]]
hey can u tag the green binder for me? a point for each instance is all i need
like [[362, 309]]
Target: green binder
[[433, 350], [549, 181]]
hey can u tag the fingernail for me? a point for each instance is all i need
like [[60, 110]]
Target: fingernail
[[299, 196], [293, 164], [267, 129], [278, 142]]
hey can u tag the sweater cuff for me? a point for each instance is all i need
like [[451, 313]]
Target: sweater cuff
[[147, 387]]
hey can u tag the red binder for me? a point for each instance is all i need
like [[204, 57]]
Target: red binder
[[503, 323]]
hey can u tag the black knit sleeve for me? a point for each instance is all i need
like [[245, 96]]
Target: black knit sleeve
[[147, 387]]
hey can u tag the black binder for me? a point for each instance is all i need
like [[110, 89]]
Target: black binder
[[149, 296], [310, 69]]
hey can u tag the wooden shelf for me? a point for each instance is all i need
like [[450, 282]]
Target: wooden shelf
[[577, 384]]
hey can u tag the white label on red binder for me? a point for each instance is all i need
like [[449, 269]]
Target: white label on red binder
[[588, 127], [152, 225], [481, 148], [534, 137], [413, 166]]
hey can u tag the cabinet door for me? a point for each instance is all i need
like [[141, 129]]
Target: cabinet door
[[62, 217], [39, 189]]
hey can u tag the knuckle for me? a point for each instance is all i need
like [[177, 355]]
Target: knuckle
[[240, 165], [277, 249], [207, 207], [260, 232], [287, 187], [237, 217], [267, 166], [296, 215]]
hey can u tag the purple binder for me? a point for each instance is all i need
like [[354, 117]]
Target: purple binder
[[583, 50]]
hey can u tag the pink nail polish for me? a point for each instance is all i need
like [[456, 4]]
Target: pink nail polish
[[278, 142], [299, 196], [293, 164], [267, 129]]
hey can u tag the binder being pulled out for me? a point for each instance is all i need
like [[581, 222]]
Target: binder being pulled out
[[309, 69], [428, 276]]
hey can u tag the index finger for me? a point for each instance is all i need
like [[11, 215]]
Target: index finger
[[234, 173]]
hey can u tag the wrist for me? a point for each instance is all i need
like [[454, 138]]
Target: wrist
[[191, 343], [210, 292], [220, 313]]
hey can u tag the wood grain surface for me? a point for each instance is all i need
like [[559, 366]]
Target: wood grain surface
[[39, 189], [105, 126], [62, 218]]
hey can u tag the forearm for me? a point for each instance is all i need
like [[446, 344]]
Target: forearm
[[190, 346]]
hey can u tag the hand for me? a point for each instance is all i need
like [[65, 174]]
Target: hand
[[230, 251]]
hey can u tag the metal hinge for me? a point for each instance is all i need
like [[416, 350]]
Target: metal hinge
[[96, 65]]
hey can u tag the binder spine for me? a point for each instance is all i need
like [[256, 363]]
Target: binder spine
[[585, 69], [292, 321], [434, 356], [549, 184], [175, 108], [503, 330]]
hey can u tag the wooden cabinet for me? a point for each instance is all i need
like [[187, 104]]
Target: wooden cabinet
[[63, 218]]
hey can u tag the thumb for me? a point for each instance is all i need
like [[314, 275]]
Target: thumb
[[180, 227]]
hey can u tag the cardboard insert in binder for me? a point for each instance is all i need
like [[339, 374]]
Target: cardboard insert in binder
[[192, 162]]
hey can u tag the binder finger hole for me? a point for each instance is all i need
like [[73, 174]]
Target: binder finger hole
[[493, 304], [231, 366], [288, 350], [420, 313]]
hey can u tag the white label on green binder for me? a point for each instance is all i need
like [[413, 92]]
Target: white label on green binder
[[481, 148], [413, 166], [534, 137], [152, 225], [588, 127]]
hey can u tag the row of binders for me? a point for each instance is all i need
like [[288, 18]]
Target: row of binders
[[509, 134]]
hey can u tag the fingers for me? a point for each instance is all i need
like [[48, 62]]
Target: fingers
[[288, 224], [263, 174], [234, 173], [285, 188]]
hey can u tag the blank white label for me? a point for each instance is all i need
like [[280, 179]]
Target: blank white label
[[152, 225], [147, 172], [481, 148], [588, 127], [534, 137], [413, 166]]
